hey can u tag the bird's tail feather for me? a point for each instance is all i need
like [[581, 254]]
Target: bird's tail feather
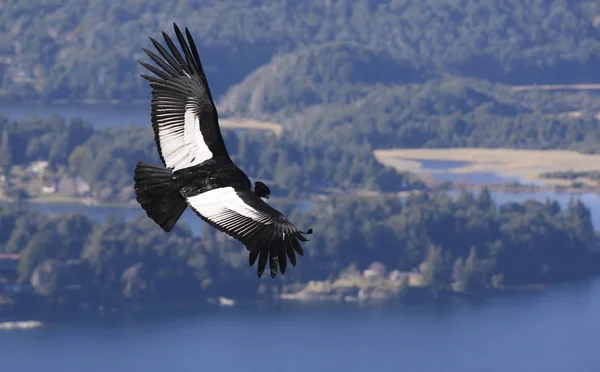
[[158, 194]]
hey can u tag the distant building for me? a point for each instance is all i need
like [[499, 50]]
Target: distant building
[[83, 188], [378, 267], [397, 275], [375, 270], [38, 167], [414, 279], [368, 273], [49, 188]]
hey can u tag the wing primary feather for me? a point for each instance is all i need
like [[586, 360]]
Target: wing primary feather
[[291, 253], [282, 258], [255, 246], [273, 260], [253, 256], [151, 79], [167, 57], [198, 62], [274, 257], [186, 50], [298, 247], [168, 69], [262, 261], [176, 53], [154, 70]]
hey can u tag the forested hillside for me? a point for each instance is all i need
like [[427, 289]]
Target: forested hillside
[[68, 49], [382, 73], [105, 159]]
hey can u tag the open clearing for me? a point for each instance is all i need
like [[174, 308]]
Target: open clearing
[[522, 88], [526, 164], [239, 123]]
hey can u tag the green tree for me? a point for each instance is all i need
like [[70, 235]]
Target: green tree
[[435, 270], [5, 151]]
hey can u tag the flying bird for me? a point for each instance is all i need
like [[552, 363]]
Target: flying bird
[[198, 172]]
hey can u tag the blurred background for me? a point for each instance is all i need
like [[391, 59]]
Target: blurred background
[[445, 153]]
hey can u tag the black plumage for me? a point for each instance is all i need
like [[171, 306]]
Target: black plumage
[[198, 171]]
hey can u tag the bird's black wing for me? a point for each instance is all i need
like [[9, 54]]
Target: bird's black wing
[[184, 116], [265, 232]]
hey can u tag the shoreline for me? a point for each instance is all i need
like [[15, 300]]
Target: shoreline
[[437, 188], [36, 316], [46, 312], [526, 166], [518, 189]]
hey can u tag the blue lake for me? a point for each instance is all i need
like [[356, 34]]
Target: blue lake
[[557, 330], [101, 213], [432, 164], [99, 115], [440, 170], [476, 178]]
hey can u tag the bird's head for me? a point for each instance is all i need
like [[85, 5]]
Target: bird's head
[[261, 190]]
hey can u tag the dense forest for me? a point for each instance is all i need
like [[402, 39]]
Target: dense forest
[[445, 112], [467, 240], [424, 74], [105, 158], [67, 49]]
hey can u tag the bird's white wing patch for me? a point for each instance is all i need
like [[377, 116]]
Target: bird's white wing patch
[[181, 141], [193, 136], [217, 205]]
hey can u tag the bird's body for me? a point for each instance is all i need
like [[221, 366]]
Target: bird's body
[[198, 172]]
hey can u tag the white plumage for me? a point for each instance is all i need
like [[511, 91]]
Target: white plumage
[[215, 204], [181, 140]]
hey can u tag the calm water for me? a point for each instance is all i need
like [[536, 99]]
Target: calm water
[[477, 178], [433, 164], [101, 213], [439, 169], [553, 331], [99, 115]]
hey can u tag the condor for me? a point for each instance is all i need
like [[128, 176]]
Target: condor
[[198, 172]]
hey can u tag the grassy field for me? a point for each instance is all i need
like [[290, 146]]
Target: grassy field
[[526, 164], [521, 88], [238, 123]]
